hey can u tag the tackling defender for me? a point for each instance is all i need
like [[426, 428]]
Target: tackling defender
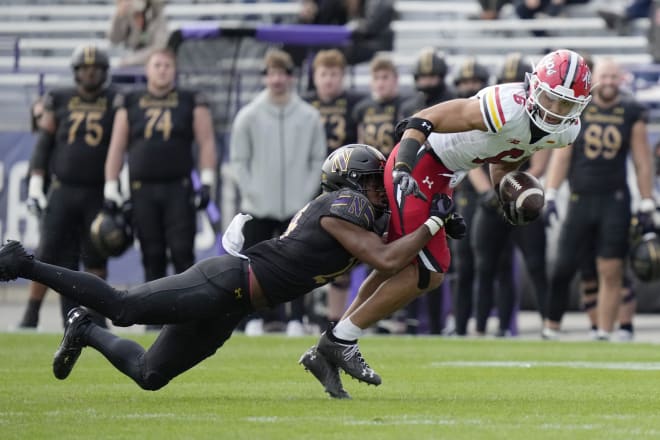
[[202, 306]]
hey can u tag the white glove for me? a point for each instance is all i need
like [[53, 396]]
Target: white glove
[[233, 239], [112, 194], [36, 201]]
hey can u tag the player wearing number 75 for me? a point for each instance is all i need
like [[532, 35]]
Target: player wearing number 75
[[157, 126], [502, 125]]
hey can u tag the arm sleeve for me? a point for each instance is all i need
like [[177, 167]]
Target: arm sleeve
[[42, 149]]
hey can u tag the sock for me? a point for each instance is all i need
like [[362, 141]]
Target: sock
[[347, 331], [124, 354], [627, 327], [594, 327]]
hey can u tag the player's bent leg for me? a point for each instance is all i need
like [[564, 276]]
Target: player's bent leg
[[325, 372]]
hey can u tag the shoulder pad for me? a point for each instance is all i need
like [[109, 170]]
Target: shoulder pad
[[501, 104], [353, 207]]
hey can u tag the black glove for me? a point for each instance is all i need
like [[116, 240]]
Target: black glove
[[442, 206], [645, 222], [455, 226], [408, 184], [202, 197], [549, 212]]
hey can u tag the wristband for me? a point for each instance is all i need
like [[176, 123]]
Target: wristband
[[405, 157], [434, 224], [36, 185], [420, 124], [550, 194], [207, 177]]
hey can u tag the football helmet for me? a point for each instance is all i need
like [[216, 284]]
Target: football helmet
[[430, 63], [348, 166], [559, 90], [111, 232], [471, 77], [90, 55], [645, 258], [515, 68]]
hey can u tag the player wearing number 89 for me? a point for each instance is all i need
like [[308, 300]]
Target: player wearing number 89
[[157, 126], [503, 125], [598, 214]]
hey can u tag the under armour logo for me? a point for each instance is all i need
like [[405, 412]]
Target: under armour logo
[[238, 293], [428, 181], [426, 125]]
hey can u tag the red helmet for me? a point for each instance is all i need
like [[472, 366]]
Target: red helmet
[[559, 89]]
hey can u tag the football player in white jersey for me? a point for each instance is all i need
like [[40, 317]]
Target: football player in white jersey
[[503, 125]]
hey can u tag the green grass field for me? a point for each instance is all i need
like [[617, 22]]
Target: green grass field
[[432, 388]]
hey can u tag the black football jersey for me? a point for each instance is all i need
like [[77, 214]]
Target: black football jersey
[[161, 134], [376, 121], [598, 162], [337, 117], [82, 135], [306, 256]]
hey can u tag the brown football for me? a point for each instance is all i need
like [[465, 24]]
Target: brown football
[[526, 192]]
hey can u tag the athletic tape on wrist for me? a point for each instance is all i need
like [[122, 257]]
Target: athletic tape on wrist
[[434, 224]]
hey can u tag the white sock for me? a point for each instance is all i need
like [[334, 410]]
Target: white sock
[[346, 330]]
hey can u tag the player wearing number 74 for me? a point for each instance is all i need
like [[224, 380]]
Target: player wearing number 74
[[502, 125]]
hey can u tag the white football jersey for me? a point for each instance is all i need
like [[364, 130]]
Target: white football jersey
[[508, 136]]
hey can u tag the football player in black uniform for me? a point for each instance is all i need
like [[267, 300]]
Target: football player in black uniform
[[201, 306], [471, 77], [336, 107], [492, 236], [378, 114], [71, 149], [157, 126], [598, 214], [429, 74]]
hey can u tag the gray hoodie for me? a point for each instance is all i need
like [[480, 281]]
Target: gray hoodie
[[276, 153]]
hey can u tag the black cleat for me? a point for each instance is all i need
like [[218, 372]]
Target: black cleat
[[348, 358], [12, 257], [77, 322], [325, 372]]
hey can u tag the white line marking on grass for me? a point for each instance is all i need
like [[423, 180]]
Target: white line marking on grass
[[630, 366]]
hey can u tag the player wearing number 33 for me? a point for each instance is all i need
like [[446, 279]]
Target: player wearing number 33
[[502, 125]]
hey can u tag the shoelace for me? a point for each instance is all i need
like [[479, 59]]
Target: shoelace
[[354, 351]]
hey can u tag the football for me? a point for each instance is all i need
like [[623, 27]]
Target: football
[[525, 192]]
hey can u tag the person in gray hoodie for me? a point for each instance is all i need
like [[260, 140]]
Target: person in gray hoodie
[[277, 146]]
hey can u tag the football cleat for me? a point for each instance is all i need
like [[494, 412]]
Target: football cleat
[[12, 257], [348, 358], [324, 372], [549, 334], [77, 322]]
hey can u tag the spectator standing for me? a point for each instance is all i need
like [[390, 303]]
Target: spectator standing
[[74, 133], [140, 27], [277, 145], [377, 115], [157, 126]]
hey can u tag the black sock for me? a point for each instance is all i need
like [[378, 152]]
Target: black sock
[[594, 327], [124, 354], [627, 327], [83, 288]]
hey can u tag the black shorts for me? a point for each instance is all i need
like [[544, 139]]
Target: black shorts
[[597, 221], [65, 224]]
